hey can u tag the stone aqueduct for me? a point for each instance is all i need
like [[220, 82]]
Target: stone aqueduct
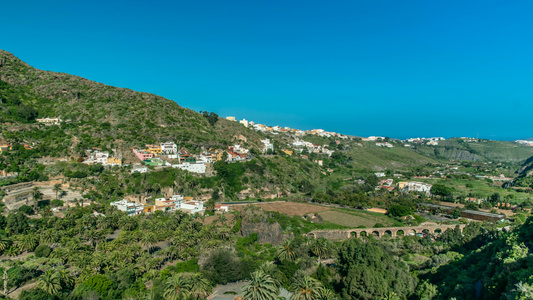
[[380, 232]]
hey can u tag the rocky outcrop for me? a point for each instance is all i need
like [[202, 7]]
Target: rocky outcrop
[[255, 220]]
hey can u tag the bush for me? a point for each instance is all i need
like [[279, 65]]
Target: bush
[[25, 209], [42, 251], [36, 294]]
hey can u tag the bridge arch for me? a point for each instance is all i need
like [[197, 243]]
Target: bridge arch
[[353, 234], [411, 232], [437, 231], [387, 233], [311, 236], [400, 232], [375, 233], [363, 233]]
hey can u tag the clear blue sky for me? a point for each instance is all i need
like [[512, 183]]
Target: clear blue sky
[[392, 68]]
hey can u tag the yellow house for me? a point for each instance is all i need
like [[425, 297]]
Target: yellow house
[[149, 208], [154, 149], [114, 161], [288, 152], [219, 155], [401, 185]]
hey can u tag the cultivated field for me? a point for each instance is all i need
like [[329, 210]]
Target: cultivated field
[[288, 208], [337, 216], [355, 218]]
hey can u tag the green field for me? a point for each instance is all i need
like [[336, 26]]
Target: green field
[[353, 219]]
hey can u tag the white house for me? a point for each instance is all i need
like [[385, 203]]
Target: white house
[[170, 149], [379, 174], [415, 186], [131, 208], [192, 167], [267, 145], [192, 207], [97, 157], [244, 122], [139, 169], [49, 121]]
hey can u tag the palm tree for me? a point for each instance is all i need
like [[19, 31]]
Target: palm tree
[[65, 278], [56, 189], [28, 242], [321, 248], [13, 251], [261, 287], [4, 243], [36, 195], [177, 287], [327, 294], [222, 219], [50, 282], [286, 251], [306, 288], [148, 240], [200, 286]]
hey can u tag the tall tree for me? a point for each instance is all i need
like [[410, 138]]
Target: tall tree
[[261, 287], [306, 288], [286, 251], [177, 287], [56, 189], [36, 195], [50, 282]]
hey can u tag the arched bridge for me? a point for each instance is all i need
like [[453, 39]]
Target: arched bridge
[[341, 234]]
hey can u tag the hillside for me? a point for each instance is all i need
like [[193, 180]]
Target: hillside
[[100, 115], [484, 150], [96, 115]]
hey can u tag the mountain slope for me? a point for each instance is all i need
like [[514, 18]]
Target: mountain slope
[[107, 113]]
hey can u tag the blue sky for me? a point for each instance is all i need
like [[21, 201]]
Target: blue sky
[[392, 68]]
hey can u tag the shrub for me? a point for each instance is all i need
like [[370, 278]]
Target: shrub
[[42, 251]]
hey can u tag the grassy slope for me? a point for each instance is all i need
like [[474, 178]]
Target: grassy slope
[[483, 151], [378, 158]]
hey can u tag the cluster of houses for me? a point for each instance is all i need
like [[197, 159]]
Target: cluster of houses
[[152, 155], [385, 144], [159, 156], [174, 203], [433, 141], [101, 157], [405, 186], [496, 178], [300, 145], [7, 147], [525, 143], [278, 129]]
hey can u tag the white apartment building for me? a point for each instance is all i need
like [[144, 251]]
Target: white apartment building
[[267, 145], [170, 149], [244, 122], [415, 186], [192, 167], [97, 157], [131, 208]]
